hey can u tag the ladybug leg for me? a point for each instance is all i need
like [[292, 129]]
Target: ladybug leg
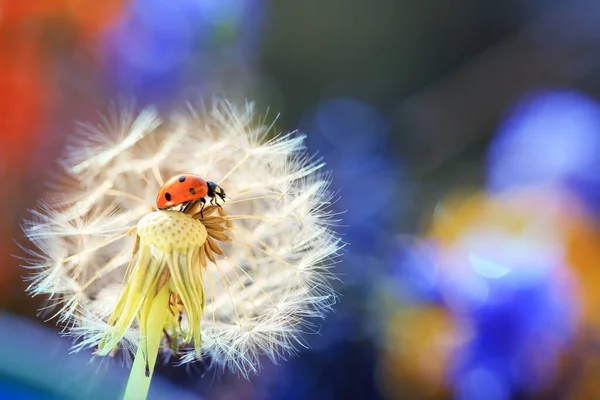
[[203, 201], [214, 202], [188, 206]]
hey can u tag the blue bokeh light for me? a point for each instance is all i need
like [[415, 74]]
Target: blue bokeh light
[[350, 126], [352, 135], [415, 271], [482, 383]]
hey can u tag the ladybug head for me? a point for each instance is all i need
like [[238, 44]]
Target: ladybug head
[[215, 190]]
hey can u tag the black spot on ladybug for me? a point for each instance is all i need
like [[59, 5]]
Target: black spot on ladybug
[[182, 178], [192, 191], [168, 196]]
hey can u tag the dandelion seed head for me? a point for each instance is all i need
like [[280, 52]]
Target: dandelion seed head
[[267, 252]]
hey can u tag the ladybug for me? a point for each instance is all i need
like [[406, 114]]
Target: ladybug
[[186, 188]]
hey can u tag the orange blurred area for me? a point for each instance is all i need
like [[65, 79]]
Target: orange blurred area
[[91, 17], [23, 100], [23, 95], [34, 36], [419, 343], [26, 56]]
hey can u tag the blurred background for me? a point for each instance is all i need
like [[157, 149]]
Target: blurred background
[[464, 138]]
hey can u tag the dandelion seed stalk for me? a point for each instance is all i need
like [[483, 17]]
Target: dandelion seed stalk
[[145, 357]]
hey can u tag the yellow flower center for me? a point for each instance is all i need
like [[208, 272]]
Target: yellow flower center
[[171, 231]]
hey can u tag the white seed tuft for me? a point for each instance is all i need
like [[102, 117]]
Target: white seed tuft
[[269, 271]]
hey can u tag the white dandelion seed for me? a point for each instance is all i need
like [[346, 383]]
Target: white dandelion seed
[[243, 280]]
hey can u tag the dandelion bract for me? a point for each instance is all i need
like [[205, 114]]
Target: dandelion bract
[[244, 279]]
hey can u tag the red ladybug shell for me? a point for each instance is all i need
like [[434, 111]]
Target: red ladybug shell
[[181, 189]]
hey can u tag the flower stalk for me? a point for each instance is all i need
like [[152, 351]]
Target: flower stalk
[[145, 357], [166, 274]]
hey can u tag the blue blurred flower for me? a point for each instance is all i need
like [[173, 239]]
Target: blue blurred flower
[[549, 138], [150, 45], [516, 343], [498, 266], [159, 47]]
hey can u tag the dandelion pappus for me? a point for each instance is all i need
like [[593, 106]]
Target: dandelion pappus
[[232, 288], [186, 188]]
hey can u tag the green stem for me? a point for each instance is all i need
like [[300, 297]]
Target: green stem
[[139, 377]]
